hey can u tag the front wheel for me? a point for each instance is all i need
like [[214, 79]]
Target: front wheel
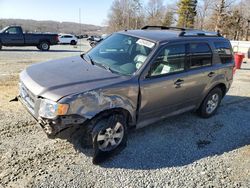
[[109, 136], [211, 103]]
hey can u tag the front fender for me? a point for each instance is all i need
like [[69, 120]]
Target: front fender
[[91, 103]]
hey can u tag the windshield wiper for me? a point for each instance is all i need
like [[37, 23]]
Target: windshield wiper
[[99, 64], [102, 65]]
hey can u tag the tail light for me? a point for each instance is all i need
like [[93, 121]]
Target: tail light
[[57, 38]]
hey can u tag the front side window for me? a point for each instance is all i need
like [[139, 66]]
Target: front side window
[[225, 52], [121, 53], [170, 60], [200, 55]]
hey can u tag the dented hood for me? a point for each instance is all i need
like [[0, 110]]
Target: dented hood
[[56, 79]]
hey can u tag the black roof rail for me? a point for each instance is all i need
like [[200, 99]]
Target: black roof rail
[[185, 32], [162, 28], [199, 33]]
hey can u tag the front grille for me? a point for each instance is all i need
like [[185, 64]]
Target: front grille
[[28, 97]]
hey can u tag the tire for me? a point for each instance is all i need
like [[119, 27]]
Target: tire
[[0, 46], [92, 44], [44, 46], [38, 47], [73, 42], [211, 103], [109, 137]]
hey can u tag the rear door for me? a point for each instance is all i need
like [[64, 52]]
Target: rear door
[[13, 36], [200, 70]]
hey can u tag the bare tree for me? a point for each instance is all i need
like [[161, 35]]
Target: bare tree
[[125, 14], [204, 9], [155, 12]]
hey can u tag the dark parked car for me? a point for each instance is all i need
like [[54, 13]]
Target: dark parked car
[[131, 79], [94, 38], [14, 36], [82, 36]]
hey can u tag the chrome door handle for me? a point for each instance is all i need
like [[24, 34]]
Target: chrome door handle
[[178, 83]]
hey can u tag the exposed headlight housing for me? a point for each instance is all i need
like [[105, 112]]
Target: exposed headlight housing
[[50, 109]]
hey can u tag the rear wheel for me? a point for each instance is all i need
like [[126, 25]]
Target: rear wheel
[[109, 136], [73, 42], [211, 103], [44, 46], [0, 46]]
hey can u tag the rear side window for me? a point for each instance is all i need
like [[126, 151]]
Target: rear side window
[[225, 52], [200, 55]]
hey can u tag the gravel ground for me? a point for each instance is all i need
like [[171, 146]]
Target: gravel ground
[[186, 151]]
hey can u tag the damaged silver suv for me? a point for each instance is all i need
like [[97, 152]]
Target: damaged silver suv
[[131, 79]]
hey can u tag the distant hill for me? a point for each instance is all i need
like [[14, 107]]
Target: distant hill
[[52, 26]]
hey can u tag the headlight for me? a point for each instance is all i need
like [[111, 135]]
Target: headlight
[[51, 109]]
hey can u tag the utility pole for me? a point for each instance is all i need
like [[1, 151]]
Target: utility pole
[[80, 23]]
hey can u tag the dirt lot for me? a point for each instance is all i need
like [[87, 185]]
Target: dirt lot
[[179, 152]]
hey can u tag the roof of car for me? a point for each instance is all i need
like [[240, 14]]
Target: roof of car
[[162, 35]]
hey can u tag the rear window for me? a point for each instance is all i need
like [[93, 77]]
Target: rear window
[[225, 52], [200, 55]]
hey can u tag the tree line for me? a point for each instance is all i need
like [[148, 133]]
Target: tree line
[[230, 17]]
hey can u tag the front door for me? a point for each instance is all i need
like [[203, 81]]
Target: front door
[[13, 36], [163, 90]]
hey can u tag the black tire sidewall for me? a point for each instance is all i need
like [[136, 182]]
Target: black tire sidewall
[[41, 46], [73, 42], [1, 46], [203, 112], [103, 124]]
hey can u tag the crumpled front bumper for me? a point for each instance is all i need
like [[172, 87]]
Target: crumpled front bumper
[[54, 126]]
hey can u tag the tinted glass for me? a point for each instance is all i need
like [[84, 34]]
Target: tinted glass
[[12, 30], [170, 60], [225, 51], [200, 55]]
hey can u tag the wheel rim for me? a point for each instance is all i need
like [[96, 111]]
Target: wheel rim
[[110, 138], [44, 46], [212, 103]]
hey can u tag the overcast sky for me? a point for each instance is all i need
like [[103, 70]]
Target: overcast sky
[[92, 11]]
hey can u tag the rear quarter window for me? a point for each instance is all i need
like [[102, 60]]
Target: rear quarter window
[[200, 55], [225, 52]]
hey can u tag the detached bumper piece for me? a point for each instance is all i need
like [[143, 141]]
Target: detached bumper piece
[[54, 126]]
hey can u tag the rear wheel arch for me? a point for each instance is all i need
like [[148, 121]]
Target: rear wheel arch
[[44, 40], [221, 86]]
